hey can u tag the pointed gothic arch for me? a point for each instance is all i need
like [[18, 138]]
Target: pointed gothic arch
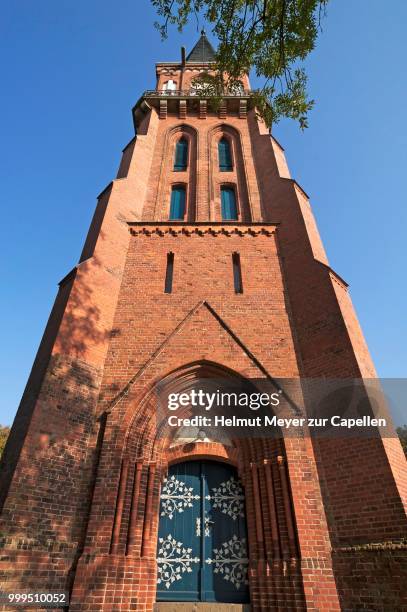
[[174, 171], [148, 453], [235, 165]]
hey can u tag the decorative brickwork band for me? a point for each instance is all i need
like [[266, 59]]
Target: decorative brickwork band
[[222, 109], [201, 229]]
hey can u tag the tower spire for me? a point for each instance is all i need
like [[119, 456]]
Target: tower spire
[[203, 52]]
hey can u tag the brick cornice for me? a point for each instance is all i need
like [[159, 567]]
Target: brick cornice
[[200, 228]]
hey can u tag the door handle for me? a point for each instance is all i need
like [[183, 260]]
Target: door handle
[[208, 522]]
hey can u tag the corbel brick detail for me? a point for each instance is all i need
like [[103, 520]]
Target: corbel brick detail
[[182, 109], [242, 109], [203, 105], [222, 109], [163, 109], [163, 229]]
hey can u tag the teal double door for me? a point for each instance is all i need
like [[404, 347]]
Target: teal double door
[[202, 552]]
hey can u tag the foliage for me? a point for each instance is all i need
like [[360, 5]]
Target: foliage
[[4, 432], [272, 37], [402, 434]]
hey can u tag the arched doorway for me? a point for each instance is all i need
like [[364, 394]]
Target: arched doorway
[[202, 551]]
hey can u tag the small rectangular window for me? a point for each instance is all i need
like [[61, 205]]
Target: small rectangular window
[[237, 273], [169, 273]]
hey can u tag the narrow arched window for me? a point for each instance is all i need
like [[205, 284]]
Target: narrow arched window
[[181, 155], [228, 201], [177, 208], [237, 273], [225, 155], [169, 273]]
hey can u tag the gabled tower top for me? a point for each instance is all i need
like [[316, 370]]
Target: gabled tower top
[[203, 52]]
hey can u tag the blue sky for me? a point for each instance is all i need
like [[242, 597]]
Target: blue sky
[[71, 72]]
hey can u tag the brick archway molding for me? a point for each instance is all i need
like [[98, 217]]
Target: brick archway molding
[[290, 564]]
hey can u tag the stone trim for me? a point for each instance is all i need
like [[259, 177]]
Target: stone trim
[[274, 139], [297, 185], [71, 274], [106, 189], [334, 275], [129, 143]]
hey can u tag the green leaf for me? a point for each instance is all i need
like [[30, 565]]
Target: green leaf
[[271, 37]]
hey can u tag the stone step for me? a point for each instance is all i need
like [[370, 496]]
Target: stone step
[[195, 606]]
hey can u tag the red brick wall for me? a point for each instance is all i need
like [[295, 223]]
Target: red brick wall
[[84, 463], [363, 480], [372, 578], [146, 347], [183, 77]]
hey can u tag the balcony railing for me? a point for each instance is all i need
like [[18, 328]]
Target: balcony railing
[[187, 93]]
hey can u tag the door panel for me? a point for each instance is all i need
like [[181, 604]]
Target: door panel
[[225, 540], [179, 549], [202, 543]]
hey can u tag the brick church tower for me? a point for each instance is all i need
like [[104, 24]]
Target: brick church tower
[[203, 262]]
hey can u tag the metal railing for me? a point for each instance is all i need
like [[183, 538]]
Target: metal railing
[[186, 93]]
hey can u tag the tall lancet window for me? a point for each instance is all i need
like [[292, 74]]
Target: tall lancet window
[[237, 273], [225, 155], [228, 201], [169, 273], [181, 155], [177, 208]]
